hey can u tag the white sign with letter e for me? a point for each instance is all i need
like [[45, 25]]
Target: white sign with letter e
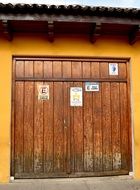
[[43, 92], [91, 86]]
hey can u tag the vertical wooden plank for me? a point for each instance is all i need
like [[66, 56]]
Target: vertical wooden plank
[[28, 119], [19, 72], [48, 131], [66, 125], [57, 69], [72, 142], [66, 69], [38, 131], [67, 130], [38, 69], [76, 69], [28, 127], [97, 130], [38, 121], [124, 126], [122, 71], [78, 135], [95, 69], [97, 120], [58, 128], [48, 69], [104, 70], [86, 69], [88, 132], [88, 123], [116, 136], [67, 115], [28, 68], [19, 129], [106, 127]]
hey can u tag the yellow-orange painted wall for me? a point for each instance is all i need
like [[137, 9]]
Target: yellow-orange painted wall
[[67, 46]]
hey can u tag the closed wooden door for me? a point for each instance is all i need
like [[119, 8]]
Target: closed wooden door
[[51, 138]]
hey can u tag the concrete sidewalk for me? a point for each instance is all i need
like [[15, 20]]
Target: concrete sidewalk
[[95, 183]]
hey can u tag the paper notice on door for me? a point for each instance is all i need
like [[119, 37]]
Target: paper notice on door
[[43, 92], [76, 96]]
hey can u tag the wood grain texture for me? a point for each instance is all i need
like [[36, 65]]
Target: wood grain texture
[[48, 67], [67, 127], [124, 126], [49, 131], [78, 135], [116, 132], [106, 127], [123, 70], [72, 137], [66, 69], [86, 69], [129, 120], [104, 70], [29, 68], [19, 129], [88, 131], [76, 70], [28, 127], [57, 69], [95, 70], [28, 119], [97, 130], [38, 131], [38, 69], [58, 128], [38, 121], [19, 69]]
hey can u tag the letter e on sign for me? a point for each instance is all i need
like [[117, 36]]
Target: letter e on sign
[[43, 92]]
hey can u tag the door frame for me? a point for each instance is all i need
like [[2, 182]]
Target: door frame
[[75, 58]]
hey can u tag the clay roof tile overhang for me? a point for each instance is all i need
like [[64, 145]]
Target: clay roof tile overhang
[[55, 19]]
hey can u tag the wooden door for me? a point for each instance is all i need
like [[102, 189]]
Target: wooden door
[[51, 138]]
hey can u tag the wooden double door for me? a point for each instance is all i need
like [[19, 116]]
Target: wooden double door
[[51, 138]]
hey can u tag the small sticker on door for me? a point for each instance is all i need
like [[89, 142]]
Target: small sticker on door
[[91, 86], [76, 96], [43, 92], [113, 69]]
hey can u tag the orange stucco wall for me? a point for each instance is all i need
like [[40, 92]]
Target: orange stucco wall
[[63, 45]]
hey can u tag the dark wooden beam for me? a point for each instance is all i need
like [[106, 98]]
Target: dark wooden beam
[[134, 34], [51, 31], [70, 18], [71, 79], [95, 32], [7, 30]]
